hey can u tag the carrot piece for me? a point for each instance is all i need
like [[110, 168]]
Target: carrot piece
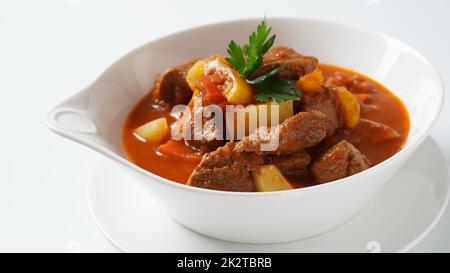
[[179, 150]]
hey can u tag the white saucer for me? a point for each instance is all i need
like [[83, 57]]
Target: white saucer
[[398, 217]]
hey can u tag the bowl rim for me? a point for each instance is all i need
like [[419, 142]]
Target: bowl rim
[[340, 182]]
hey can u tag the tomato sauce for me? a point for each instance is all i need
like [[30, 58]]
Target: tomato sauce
[[377, 104]]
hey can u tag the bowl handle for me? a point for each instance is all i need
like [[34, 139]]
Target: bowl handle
[[70, 119]]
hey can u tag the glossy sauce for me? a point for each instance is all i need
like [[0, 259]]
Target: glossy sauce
[[379, 105]]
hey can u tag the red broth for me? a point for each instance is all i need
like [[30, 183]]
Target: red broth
[[378, 104]]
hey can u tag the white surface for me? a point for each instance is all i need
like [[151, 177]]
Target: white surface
[[95, 118], [52, 49], [136, 223]]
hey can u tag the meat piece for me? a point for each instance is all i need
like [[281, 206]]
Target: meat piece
[[325, 101], [367, 131], [292, 164], [228, 168], [340, 161], [303, 130], [279, 53], [204, 140], [375, 132], [227, 178], [294, 64], [172, 87], [225, 169]]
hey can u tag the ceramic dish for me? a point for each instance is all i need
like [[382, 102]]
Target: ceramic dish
[[95, 117]]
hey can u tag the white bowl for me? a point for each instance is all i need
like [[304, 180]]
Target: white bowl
[[95, 117]]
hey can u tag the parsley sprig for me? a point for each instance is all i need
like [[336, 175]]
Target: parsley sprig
[[278, 90], [246, 59]]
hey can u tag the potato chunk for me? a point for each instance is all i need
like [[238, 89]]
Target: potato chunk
[[350, 108], [251, 115], [240, 92], [153, 131], [225, 78], [311, 82], [194, 74], [270, 178], [285, 110]]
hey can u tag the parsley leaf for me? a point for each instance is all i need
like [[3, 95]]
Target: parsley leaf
[[236, 58], [264, 77], [257, 47], [277, 90], [247, 58]]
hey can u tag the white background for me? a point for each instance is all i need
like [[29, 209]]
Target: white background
[[51, 49]]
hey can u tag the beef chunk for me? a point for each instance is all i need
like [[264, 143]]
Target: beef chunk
[[303, 130], [228, 178], [367, 131], [294, 64], [325, 101], [375, 132], [225, 169], [228, 168], [340, 161], [291, 164], [206, 140], [172, 87]]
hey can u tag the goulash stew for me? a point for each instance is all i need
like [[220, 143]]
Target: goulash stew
[[294, 122]]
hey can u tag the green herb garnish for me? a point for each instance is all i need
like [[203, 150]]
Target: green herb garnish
[[266, 76], [278, 90], [248, 58]]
